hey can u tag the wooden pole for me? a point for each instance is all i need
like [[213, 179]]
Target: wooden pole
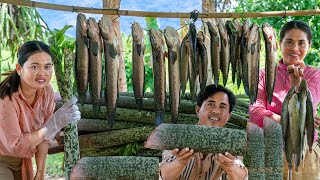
[[79, 9], [115, 4]]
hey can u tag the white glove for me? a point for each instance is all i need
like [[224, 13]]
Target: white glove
[[68, 113]]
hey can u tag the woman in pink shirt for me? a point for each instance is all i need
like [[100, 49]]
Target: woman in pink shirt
[[27, 120], [295, 41]]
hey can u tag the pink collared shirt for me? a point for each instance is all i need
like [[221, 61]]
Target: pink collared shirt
[[282, 85], [18, 120]]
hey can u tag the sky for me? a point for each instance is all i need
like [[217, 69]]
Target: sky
[[58, 19]]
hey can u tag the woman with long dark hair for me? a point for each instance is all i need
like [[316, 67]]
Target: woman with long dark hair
[[27, 121]]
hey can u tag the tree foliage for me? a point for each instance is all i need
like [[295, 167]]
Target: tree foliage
[[277, 22]]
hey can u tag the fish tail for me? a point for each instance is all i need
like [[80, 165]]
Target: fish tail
[[159, 117], [111, 117], [82, 98], [139, 103], [96, 107], [175, 118]]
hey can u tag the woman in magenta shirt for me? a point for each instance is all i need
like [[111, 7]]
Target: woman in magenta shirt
[[295, 41]]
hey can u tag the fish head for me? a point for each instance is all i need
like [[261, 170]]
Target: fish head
[[106, 28], [171, 35], [82, 25], [93, 29], [137, 33], [156, 39]]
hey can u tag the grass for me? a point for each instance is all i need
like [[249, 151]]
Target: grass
[[54, 165]]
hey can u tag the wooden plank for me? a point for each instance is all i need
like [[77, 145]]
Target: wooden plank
[[200, 138], [116, 167]]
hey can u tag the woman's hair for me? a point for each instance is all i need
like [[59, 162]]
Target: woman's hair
[[295, 24], [211, 90], [12, 82]]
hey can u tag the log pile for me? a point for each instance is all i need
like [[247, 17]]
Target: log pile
[[132, 127]]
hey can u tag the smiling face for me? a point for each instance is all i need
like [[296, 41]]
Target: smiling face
[[214, 111], [294, 46], [36, 72]]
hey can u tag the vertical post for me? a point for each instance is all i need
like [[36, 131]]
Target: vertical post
[[71, 141], [122, 79]]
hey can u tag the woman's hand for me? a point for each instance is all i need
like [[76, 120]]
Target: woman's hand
[[39, 176], [295, 72]]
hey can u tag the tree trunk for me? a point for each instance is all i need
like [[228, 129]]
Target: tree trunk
[[208, 6], [115, 4], [199, 138], [114, 138], [116, 167]]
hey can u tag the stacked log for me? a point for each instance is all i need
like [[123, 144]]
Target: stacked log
[[132, 127]]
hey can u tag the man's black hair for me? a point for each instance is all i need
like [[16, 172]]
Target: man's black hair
[[211, 90]]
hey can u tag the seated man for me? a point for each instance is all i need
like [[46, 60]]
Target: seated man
[[214, 107]]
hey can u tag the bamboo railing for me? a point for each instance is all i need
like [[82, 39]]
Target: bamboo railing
[[119, 12]]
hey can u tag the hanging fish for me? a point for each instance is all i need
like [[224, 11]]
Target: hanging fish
[[159, 74], [82, 57], [184, 63], [215, 49], [271, 58], [138, 69], [95, 60], [111, 55], [173, 43]]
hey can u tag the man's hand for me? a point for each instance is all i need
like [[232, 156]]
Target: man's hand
[[183, 156], [227, 163], [316, 122]]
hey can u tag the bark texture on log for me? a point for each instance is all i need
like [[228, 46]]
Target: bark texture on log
[[186, 106], [255, 152], [133, 115], [273, 149], [99, 125], [117, 151], [114, 138], [200, 138], [116, 167]]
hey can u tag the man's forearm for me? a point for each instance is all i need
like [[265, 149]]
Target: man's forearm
[[171, 170]]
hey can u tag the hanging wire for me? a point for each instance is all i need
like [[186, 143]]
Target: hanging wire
[[117, 16]]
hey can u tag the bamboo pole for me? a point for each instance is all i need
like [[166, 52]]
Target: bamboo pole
[[119, 12]]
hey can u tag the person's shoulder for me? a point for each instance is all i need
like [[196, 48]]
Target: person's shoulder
[[311, 72], [47, 91]]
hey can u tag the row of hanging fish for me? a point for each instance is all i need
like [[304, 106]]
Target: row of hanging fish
[[197, 59], [93, 40], [297, 122], [218, 44]]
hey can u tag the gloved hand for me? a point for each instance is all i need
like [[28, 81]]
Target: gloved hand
[[68, 113]]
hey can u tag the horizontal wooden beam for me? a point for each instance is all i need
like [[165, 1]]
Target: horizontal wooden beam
[[119, 12]]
